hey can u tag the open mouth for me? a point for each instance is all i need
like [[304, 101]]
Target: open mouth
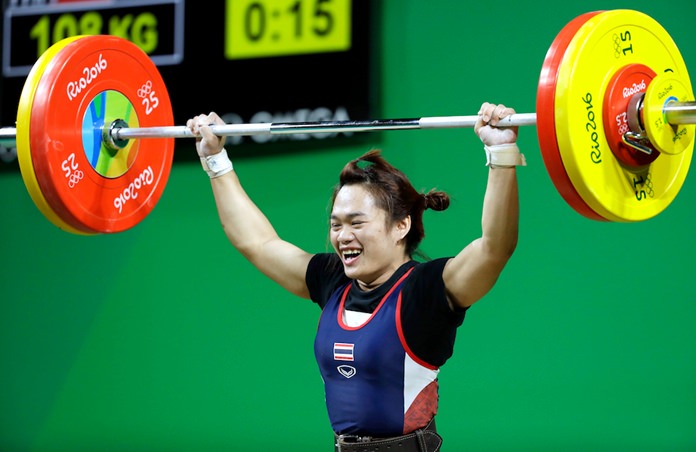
[[349, 256]]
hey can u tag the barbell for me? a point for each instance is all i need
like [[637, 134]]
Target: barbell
[[615, 122]]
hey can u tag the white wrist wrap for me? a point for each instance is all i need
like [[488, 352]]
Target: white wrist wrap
[[217, 165], [504, 156]]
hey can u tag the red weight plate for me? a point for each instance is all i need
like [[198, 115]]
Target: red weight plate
[[86, 85], [546, 117], [627, 82]]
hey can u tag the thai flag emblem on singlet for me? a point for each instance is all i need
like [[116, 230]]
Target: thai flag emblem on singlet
[[343, 351]]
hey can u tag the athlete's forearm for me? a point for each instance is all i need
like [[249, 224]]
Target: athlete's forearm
[[246, 227], [500, 217]]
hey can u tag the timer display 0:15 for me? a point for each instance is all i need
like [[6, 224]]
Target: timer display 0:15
[[269, 28]]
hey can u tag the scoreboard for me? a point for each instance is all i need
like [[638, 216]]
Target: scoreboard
[[248, 60]]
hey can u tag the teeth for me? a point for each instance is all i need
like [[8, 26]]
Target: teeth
[[351, 254]]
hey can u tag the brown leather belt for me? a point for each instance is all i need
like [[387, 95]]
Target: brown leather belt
[[421, 440]]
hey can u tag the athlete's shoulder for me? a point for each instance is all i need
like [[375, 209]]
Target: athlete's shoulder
[[429, 269]]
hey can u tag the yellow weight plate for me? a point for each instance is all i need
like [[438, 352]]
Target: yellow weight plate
[[23, 137], [606, 43], [668, 138]]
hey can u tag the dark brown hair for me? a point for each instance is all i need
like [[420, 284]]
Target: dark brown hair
[[392, 192]]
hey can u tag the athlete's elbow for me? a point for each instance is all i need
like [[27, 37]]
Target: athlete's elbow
[[500, 249]]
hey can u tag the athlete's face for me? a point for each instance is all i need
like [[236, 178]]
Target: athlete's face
[[370, 248]]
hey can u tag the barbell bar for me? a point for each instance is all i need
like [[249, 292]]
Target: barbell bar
[[676, 113], [434, 122], [118, 133], [615, 116], [680, 113]]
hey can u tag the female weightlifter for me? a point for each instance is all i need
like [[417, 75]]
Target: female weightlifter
[[388, 321]]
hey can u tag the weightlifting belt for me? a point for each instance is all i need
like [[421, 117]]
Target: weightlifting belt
[[421, 440]]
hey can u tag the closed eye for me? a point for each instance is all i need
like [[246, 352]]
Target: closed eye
[[337, 221]]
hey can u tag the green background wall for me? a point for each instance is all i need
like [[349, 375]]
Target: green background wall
[[163, 338]]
